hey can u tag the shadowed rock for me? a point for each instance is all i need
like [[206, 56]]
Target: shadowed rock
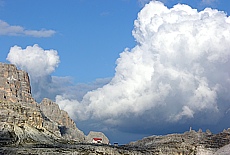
[[65, 126]]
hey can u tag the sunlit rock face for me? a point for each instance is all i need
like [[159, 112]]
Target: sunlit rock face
[[14, 84], [66, 125], [23, 119], [18, 107]]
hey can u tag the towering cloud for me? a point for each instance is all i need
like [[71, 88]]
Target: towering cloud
[[177, 73]]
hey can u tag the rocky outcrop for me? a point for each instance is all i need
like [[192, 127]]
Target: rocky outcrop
[[23, 120], [15, 85], [225, 150], [64, 125], [17, 106], [191, 142], [70, 149], [14, 115], [93, 134], [188, 143]]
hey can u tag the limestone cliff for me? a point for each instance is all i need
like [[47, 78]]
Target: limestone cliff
[[15, 85], [17, 105], [22, 119]]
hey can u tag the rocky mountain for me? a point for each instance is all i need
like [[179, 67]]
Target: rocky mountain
[[28, 127], [59, 121], [23, 120], [190, 142]]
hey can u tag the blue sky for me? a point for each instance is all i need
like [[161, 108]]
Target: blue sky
[[97, 64], [89, 34]]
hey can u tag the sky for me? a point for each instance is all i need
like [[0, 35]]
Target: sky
[[128, 68]]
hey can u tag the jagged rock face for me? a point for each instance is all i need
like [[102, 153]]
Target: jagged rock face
[[17, 105], [191, 142], [65, 124], [20, 114], [224, 150], [14, 85], [52, 111], [16, 120]]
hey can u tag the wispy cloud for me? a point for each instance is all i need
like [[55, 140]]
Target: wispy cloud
[[105, 13], [209, 2], [2, 3], [15, 30]]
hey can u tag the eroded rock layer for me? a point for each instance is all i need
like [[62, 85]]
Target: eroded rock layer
[[22, 120], [66, 126], [14, 85]]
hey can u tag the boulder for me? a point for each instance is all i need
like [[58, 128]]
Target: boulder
[[96, 135]]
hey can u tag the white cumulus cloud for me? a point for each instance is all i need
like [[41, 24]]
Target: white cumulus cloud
[[200, 2], [6, 29], [177, 72], [39, 63], [34, 59]]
